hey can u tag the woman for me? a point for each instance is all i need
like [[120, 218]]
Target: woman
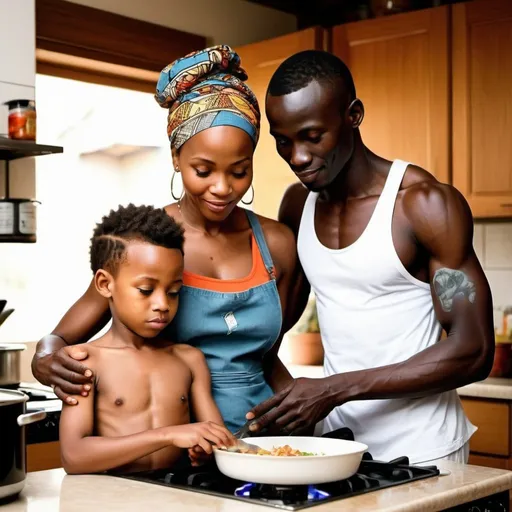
[[238, 265]]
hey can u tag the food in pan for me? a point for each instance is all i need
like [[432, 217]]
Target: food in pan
[[280, 451]]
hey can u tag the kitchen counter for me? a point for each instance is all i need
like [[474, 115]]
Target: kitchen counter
[[54, 490], [497, 389]]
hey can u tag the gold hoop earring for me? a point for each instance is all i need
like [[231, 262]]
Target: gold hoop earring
[[176, 198], [248, 203]]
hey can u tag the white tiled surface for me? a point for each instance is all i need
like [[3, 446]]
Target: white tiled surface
[[498, 246], [493, 246], [500, 282], [479, 242]]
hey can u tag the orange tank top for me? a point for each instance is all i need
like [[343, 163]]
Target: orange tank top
[[257, 276]]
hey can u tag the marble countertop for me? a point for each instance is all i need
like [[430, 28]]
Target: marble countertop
[[54, 490], [498, 389]]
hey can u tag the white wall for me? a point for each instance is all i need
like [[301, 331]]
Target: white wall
[[42, 280], [233, 22], [17, 76], [493, 245]]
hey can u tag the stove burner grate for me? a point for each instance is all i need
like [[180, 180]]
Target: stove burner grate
[[283, 494]]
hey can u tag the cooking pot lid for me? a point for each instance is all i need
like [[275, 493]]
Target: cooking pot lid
[[11, 397], [12, 346]]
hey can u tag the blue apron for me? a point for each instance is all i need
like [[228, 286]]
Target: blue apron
[[234, 331]]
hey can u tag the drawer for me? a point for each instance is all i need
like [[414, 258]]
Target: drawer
[[493, 421], [489, 462], [41, 456]]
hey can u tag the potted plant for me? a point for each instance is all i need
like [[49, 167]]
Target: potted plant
[[304, 340]]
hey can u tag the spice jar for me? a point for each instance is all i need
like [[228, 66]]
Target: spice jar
[[22, 119], [502, 366]]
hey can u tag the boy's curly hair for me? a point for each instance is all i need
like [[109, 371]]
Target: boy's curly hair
[[143, 223]]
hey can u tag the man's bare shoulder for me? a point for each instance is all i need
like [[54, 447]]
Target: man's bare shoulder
[[416, 175], [292, 205], [433, 208]]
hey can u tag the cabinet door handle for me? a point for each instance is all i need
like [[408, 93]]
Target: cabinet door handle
[[506, 205]]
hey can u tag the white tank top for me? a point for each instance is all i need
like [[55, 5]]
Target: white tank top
[[372, 312]]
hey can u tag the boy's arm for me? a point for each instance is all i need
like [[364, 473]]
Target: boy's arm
[[83, 452], [203, 405]]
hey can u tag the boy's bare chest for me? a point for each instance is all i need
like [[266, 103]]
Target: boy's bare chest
[[131, 384]]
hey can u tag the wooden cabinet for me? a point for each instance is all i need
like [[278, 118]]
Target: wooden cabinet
[[491, 444], [482, 105], [400, 66], [437, 87], [42, 456], [271, 173]]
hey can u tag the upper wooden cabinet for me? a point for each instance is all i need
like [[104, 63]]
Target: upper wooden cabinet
[[271, 173], [400, 66], [482, 105]]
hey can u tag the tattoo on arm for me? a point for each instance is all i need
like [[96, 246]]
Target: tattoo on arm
[[450, 284]]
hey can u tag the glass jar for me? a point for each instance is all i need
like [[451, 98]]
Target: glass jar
[[502, 366], [22, 119]]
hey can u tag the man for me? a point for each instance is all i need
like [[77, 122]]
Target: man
[[387, 249]]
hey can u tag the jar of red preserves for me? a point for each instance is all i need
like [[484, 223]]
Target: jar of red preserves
[[502, 366], [22, 119]]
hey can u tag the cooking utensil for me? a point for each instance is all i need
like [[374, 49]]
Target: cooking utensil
[[245, 431], [12, 440], [241, 447], [240, 434], [337, 459], [10, 364], [4, 315]]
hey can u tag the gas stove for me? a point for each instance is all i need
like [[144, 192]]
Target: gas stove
[[41, 398], [371, 476]]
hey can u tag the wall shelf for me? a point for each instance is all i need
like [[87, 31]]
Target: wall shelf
[[11, 149]]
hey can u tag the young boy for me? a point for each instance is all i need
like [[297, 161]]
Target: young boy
[[136, 416]]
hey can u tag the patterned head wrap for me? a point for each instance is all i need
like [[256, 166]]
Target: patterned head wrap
[[205, 89]]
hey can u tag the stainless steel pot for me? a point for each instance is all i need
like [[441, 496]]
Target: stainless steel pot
[[13, 419], [10, 364]]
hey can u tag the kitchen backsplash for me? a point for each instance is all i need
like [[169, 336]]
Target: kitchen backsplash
[[493, 246]]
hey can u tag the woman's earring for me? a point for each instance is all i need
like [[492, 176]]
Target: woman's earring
[[252, 198], [176, 198]]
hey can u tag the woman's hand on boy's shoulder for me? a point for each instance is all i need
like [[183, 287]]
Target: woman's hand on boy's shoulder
[[64, 372]]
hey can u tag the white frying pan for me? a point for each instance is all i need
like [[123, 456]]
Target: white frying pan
[[341, 460]]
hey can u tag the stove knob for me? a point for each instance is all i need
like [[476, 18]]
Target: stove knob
[[494, 506]]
